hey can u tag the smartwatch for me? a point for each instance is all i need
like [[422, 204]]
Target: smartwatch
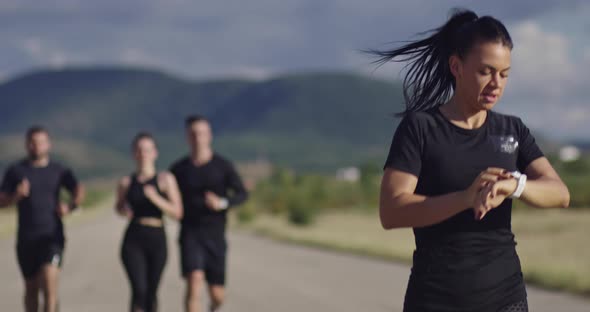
[[521, 178]]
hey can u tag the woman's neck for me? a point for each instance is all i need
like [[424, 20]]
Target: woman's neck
[[460, 113], [146, 170]]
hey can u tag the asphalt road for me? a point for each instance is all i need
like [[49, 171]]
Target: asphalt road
[[263, 276]]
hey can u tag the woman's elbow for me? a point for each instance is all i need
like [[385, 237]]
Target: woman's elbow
[[387, 225], [179, 214], [384, 224], [387, 220], [565, 202]]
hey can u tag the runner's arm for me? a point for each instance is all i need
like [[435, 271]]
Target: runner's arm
[[544, 188]]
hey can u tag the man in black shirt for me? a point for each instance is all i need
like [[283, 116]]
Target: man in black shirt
[[209, 185], [34, 185]]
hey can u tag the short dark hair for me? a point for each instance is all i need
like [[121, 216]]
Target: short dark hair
[[34, 130], [140, 136], [194, 118]]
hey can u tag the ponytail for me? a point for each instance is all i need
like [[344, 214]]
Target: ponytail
[[429, 82]]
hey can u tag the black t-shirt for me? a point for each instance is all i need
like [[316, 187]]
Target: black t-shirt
[[462, 264], [140, 204], [218, 176], [37, 214]]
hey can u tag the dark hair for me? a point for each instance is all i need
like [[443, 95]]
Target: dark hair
[[34, 130], [194, 118], [140, 136], [429, 82]]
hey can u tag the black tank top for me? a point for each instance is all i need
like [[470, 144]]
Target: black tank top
[[140, 204]]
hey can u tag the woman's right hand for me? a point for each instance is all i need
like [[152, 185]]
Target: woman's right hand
[[121, 206], [126, 212], [488, 176]]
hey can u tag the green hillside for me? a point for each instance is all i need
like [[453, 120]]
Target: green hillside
[[307, 121]]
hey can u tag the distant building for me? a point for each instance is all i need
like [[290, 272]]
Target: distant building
[[569, 153], [350, 174]]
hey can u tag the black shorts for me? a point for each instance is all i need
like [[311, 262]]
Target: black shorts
[[34, 254], [202, 252]]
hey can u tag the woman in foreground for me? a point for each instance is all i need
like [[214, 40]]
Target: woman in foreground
[[455, 166]]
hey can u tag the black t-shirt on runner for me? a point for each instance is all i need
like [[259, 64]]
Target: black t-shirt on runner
[[218, 176], [37, 213], [462, 264]]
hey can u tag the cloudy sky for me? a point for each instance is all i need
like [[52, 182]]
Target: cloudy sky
[[549, 86]]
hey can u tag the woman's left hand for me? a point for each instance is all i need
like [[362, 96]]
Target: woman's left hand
[[492, 196], [150, 192]]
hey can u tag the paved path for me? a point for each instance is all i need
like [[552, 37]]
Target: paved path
[[264, 276]]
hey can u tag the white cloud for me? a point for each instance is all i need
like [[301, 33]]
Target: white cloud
[[576, 116], [547, 86], [540, 59], [227, 38], [32, 46], [43, 53], [57, 59], [136, 56]]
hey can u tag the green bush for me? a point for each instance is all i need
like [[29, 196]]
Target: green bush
[[247, 212], [370, 185], [300, 212], [93, 196], [576, 175], [579, 187], [580, 166], [301, 197]]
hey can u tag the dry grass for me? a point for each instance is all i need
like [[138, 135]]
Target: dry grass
[[552, 244], [553, 247], [347, 231], [7, 221]]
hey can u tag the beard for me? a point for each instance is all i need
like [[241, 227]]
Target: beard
[[37, 156]]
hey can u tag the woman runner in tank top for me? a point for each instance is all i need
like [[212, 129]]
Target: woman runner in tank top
[[144, 197], [455, 166]]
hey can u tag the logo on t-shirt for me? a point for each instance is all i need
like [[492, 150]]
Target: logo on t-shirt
[[505, 143]]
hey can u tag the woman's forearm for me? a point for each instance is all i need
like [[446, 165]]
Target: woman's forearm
[[546, 192], [168, 207], [411, 210]]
